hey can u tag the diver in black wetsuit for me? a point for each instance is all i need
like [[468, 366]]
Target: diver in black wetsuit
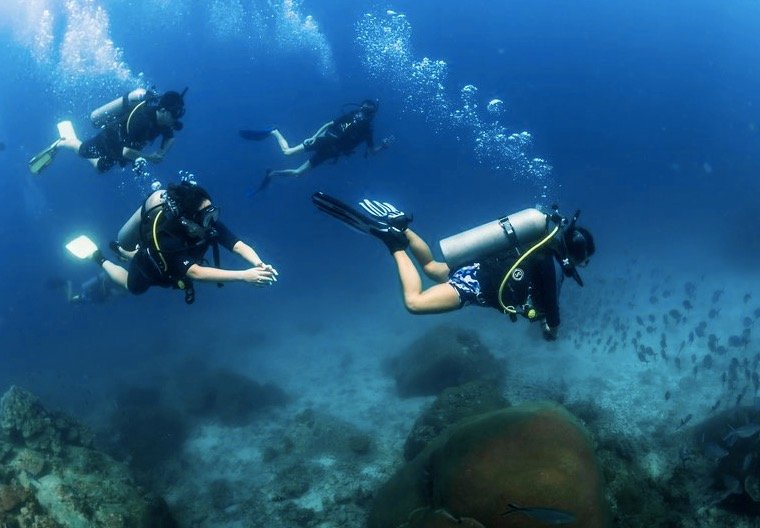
[[127, 125], [515, 264], [339, 137], [175, 228]]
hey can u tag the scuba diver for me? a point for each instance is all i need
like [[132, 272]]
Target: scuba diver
[[128, 125], [515, 264], [165, 242], [338, 137], [95, 290]]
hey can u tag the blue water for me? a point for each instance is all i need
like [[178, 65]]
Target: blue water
[[644, 115]]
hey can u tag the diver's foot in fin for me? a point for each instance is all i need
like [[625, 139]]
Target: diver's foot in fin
[[68, 135], [393, 239], [387, 213], [257, 135], [264, 183], [44, 158]]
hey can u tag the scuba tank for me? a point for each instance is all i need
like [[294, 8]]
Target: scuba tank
[[518, 231], [113, 110], [129, 234]]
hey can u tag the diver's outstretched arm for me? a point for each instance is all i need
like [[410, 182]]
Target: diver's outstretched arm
[[322, 129], [258, 276]]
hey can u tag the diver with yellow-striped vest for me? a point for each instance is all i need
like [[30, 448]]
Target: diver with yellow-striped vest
[[515, 264], [127, 125], [164, 244]]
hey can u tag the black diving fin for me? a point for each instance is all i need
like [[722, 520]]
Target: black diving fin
[[350, 216]]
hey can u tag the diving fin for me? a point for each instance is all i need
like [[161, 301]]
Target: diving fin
[[263, 185], [256, 135], [66, 130], [44, 158], [393, 237]]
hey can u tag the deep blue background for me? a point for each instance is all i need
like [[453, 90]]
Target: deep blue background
[[647, 111]]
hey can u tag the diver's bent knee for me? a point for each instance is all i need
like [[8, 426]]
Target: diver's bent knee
[[414, 306]]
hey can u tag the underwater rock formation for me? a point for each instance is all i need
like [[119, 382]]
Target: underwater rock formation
[[225, 396], [535, 456], [50, 476], [445, 356], [453, 404]]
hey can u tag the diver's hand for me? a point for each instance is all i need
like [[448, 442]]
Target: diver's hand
[[259, 276], [269, 267], [550, 334]]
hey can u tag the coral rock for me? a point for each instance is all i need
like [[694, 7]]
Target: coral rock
[[534, 455]]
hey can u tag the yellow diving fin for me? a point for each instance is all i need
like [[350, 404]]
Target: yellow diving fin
[[44, 158]]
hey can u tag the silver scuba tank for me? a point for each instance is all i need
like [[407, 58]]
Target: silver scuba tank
[[517, 231], [129, 234], [102, 115]]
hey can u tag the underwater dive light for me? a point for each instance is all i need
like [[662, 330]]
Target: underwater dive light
[[82, 247]]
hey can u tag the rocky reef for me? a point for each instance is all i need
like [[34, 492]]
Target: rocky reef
[[446, 356], [51, 476]]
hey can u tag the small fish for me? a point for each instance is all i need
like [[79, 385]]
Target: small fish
[[714, 451], [686, 419], [747, 297], [687, 305], [747, 462], [550, 516], [716, 295], [716, 404], [713, 313], [667, 395], [745, 431]]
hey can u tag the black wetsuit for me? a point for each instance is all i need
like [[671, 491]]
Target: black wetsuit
[[135, 130], [179, 251], [536, 281], [341, 138]]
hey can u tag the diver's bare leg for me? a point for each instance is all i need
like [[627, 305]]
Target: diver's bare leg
[[286, 149], [116, 273], [438, 271], [437, 299], [291, 172]]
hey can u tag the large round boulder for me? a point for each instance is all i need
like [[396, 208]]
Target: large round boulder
[[533, 456]]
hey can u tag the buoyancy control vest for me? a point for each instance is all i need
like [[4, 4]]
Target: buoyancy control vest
[[165, 219]]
